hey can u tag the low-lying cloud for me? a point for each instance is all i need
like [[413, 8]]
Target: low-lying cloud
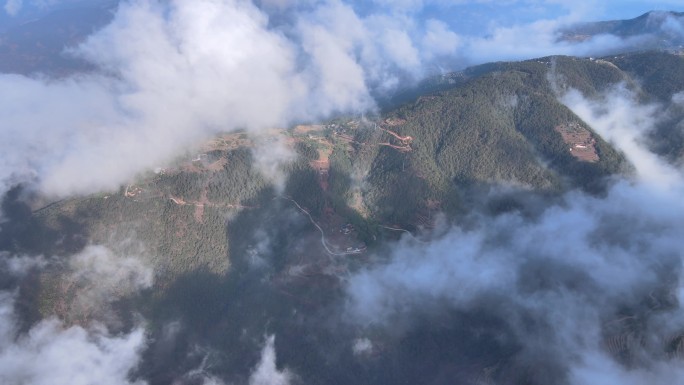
[[101, 278], [12, 7], [565, 281], [51, 352], [622, 120], [266, 372], [170, 74]]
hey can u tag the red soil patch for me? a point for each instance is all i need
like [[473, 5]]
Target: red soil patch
[[582, 144]]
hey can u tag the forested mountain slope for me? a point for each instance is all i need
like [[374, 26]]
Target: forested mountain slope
[[501, 128]]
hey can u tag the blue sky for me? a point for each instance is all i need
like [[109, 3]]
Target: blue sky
[[477, 17], [465, 16]]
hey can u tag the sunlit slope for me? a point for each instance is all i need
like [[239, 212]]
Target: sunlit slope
[[501, 129], [503, 126]]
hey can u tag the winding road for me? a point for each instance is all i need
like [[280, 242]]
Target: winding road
[[323, 241], [405, 231]]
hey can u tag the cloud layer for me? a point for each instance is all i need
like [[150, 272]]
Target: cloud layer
[[266, 372], [576, 272], [53, 353], [170, 74]]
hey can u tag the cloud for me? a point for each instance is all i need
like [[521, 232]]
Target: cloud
[[21, 265], [599, 368], [170, 74], [212, 381], [439, 40], [173, 74], [571, 269], [110, 272], [97, 278], [266, 372], [563, 282], [50, 353], [271, 155], [334, 38], [362, 346], [12, 7], [541, 38], [670, 24], [678, 98], [621, 120]]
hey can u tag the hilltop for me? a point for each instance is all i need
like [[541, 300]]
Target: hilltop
[[655, 29]]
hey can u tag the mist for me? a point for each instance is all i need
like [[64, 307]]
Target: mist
[[266, 373], [561, 285], [49, 351], [171, 74], [566, 282]]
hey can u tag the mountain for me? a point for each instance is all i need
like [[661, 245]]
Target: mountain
[[501, 126], [661, 29], [40, 45], [221, 237], [661, 80], [490, 153]]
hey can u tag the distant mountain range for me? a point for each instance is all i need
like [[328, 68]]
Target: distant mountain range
[[655, 29], [39, 45]]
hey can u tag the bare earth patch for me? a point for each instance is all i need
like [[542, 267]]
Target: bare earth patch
[[582, 144], [305, 129]]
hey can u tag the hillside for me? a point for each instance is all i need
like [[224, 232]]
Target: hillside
[[41, 45], [501, 127], [235, 254], [661, 78]]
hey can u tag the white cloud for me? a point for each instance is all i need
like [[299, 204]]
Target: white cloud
[[52, 354], [266, 372], [439, 40], [678, 98], [20, 265], [599, 368], [271, 154], [178, 72], [620, 119], [537, 39], [100, 277], [573, 266], [362, 346], [671, 24], [12, 7]]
